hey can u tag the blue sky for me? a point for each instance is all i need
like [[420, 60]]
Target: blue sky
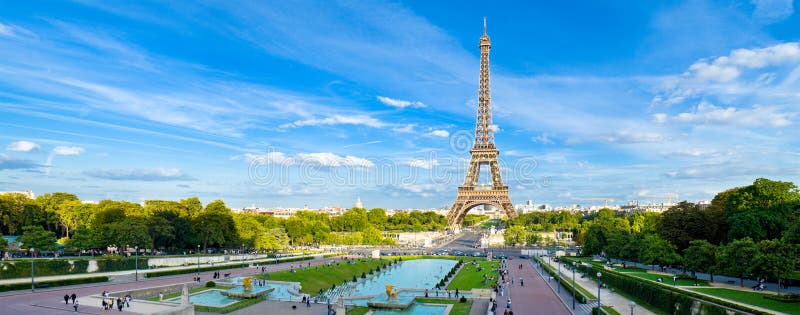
[[290, 103]]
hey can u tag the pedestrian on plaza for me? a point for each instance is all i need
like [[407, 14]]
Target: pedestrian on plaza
[[456, 292], [510, 312], [426, 292], [508, 303], [73, 297], [75, 305], [66, 298], [308, 302], [128, 299], [522, 284], [119, 304], [505, 312], [105, 304]]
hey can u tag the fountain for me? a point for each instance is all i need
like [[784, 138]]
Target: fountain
[[246, 291], [391, 300]]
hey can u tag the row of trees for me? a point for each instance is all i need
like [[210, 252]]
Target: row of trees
[[750, 231], [183, 224]]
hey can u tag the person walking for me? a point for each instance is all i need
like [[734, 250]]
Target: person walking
[[160, 296], [119, 304], [308, 302], [508, 303], [75, 305], [73, 297], [66, 298]]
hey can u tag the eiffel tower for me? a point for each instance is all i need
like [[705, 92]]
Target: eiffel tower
[[483, 152]]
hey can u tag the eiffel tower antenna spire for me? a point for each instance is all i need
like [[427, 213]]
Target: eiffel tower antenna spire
[[484, 25]]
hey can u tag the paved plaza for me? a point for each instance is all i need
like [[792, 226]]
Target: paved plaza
[[535, 297]]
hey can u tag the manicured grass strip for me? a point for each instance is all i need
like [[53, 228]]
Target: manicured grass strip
[[606, 310], [358, 310], [230, 308], [469, 277], [458, 307], [752, 298], [641, 303], [51, 283], [583, 294], [321, 277], [667, 279]]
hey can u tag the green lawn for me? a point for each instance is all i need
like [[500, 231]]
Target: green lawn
[[469, 277], [458, 307], [667, 279], [313, 280], [752, 298], [358, 310]]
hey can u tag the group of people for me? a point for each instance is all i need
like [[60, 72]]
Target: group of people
[[109, 303], [73, 298]]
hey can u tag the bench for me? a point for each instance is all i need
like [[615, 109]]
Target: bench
[[42, 285]]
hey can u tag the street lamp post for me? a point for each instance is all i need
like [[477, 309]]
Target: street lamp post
[[559, 276], [632, 304], [574, 291], [198, 260], [33, 273], [137, 262], [598, 292]]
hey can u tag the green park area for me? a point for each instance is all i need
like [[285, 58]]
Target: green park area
[[322, 277], [472, 275], [752, 298]]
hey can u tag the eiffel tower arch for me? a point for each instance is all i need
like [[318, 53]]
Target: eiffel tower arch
[[483, 152]]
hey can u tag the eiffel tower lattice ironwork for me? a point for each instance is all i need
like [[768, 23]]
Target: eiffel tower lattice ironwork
[[483, 152]]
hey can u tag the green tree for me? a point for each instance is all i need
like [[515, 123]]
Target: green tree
[[377, 218], [160, 230], [12, 211], [82, 238], [657, 251], [515, 235], [683, 223], [192, 205], [775, 259], [736, 258], [372, 236], [35, 236], [51, 204], [760, 211], [129, 232], [700, 256], [3, 244]]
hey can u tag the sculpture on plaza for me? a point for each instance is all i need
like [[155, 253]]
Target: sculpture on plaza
[[247, 283], [391, 292]]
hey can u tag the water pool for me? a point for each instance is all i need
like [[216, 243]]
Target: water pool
[[415, 309], [208, 298], [410, 274]]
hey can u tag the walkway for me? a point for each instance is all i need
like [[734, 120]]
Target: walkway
[[533, 298], [50, 301], [607, 297]]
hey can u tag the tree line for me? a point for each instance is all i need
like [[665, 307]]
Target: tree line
[[62, 218], [749, 231]]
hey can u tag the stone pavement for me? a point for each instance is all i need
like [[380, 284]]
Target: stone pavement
[[281, 307], [50, 301], [535, 297]]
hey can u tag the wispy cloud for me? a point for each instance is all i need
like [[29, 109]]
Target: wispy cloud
[[363, 120], [399, 103], [147, 175], [706, 113], [11, 163], [23, 146], [773, 10], [439, 133], [65, 150], [326, 159]]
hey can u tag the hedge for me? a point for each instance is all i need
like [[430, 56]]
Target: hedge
[[666, 298], [218, 267], [58, 267], [52, 283], [580, 297]]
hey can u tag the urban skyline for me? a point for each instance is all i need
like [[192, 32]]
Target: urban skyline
[[615, 102]]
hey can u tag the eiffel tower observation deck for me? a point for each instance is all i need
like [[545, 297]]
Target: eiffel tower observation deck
[[484, 152]]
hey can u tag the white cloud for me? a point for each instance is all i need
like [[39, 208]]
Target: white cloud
[[494, 128], [9, 163], [694, 153], [631, 136], [420, 163], [772, 10], [148, 175], [269, 158], [23, 146], [64, 150], [338, 120], [6, 30], [439, 133], [706, 113], [404, 129], [543, 139], [333, 160], [727, 68], [399, 103]]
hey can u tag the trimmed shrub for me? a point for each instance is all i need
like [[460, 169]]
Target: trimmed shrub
[[52, 283], [211, 284], [462, 299]]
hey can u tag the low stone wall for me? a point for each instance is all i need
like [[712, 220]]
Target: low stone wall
[[141, 294], [179, 310]]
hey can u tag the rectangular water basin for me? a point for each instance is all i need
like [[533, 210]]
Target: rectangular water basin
[[415, 309], [213, 298]]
